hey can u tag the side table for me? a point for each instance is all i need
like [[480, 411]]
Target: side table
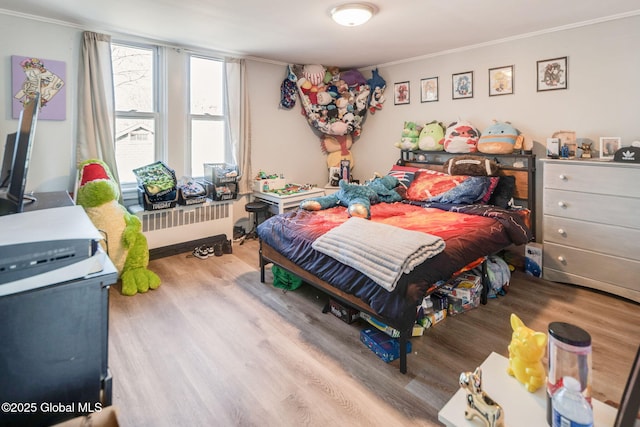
[[521, 408], [279, 204]]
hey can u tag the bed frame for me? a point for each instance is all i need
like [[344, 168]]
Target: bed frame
[[524, 192]]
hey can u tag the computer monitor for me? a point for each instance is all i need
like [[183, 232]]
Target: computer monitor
[[7, 160], [14, 200]]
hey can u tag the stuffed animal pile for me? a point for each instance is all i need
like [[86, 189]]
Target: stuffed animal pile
[[335, 103], [357, 198], [460, 137], [98, 194]]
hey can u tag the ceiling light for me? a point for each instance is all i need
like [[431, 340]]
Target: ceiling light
[[352, 14]]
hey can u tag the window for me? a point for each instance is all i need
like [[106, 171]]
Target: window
[[135, 82], [151, 80], [206, 112]]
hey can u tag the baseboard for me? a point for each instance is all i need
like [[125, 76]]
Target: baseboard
[[180, 248]]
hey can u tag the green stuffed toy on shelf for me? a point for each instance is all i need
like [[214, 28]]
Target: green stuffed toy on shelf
[[127, 247], [357, 198]]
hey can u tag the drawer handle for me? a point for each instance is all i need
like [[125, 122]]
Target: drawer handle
[[562, 204], [562, 177], [561, 231], [562, 259]]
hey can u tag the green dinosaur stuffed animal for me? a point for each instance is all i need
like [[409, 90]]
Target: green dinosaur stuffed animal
[[357, 198], [98, 194]]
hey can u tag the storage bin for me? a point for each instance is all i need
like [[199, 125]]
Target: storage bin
[[158, 181], [218, 192], [220, 173]]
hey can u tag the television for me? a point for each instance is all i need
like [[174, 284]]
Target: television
[[7, 160], [630, 403], [13, 200]]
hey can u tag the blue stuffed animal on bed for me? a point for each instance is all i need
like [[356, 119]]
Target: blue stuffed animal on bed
[[357, 198]]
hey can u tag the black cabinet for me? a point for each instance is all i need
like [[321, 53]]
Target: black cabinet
[[54, 347], [54, 351]]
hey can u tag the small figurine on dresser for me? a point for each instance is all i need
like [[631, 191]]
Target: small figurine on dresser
[[479, 404], [586, 150]]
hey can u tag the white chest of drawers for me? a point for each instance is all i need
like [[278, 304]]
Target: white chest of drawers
[[591, 225]]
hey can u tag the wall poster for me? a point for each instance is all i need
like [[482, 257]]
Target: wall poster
[[28, 74]]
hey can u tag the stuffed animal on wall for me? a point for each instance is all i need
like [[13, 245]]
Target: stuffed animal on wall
[[314, 73], [461, 137], [126, 246], [357, 198], [526, 350], [432, 137], [337, 148], [500, 138], [377, 85], [409, 138]]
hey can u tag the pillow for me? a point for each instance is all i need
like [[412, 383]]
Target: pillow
[[432, 186], [492, 187], [471, 165], [503, 192], [405, 174]]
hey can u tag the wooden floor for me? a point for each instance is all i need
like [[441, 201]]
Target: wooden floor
[[215, 347]]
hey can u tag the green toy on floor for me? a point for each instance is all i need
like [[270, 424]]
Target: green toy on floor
[[127, 247]]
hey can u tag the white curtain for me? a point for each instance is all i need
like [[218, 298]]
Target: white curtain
[[96, 103], [239, 130]]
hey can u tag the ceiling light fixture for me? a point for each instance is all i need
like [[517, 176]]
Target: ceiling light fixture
[[352, 14]]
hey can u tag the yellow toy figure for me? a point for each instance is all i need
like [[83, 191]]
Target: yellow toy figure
[[526, 350]]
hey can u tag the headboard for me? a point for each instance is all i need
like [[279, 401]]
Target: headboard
[[522, 166]]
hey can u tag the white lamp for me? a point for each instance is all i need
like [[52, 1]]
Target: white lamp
[[352, 14]]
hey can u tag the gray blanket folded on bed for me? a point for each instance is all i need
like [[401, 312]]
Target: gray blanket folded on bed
[[382, 252]]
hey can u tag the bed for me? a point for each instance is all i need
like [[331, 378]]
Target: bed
[[470, 232]]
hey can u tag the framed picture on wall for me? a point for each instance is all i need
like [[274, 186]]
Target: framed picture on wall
[[429, 89], [462, 85], [552, 74], [501, 81], [609, 145], [401, 93]]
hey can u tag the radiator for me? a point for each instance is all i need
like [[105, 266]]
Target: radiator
[[185, 223]]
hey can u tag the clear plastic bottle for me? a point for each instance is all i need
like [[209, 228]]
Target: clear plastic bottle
[[570, 408]]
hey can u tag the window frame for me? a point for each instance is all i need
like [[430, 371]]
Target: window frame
[[158, 113], [191, 117]]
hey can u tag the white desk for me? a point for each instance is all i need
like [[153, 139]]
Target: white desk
[[278, 204], [521, 408]]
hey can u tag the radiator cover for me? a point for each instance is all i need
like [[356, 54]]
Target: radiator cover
[[185, 223]]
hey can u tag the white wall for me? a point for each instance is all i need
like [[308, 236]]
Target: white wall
[[52, 165], [602, 99]]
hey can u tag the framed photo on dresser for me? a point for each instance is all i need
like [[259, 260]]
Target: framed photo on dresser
[[609, 145]]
